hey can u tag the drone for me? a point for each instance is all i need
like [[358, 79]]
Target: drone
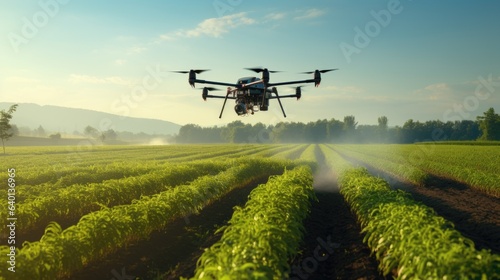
[[252, 94]]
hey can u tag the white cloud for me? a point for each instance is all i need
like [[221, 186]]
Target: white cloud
[[309, 14], [438, 87], [74, 78], [274, 16], [212, 27], [438, 91]]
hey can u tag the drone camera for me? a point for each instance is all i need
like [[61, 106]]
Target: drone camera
[[240, 109]]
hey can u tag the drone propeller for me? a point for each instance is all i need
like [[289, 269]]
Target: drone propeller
[[260, 69], [205, 91], [197, 71], [298, 91], [321, 71], [210, 88], [317, 75], [265, 74], [192, 74]]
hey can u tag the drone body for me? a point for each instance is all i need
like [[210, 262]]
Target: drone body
[[252, 94]]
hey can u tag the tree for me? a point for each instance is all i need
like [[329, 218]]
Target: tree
[[14, 130], [349, 128], [91, 131], [110, 135], [490, 125], [382, 128], [56, 136], [5, 126], [40, 131], [335, 128]]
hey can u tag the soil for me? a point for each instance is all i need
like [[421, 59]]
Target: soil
[[331, 222], [475, 214], [174, 251]]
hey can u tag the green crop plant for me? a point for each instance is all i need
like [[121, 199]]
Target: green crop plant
[[410, 238], [76, 200], [61, 252], [392, 166], [262, 236], [472, 165]]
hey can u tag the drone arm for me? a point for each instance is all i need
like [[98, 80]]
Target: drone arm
[[253, 83], [219, 96], [283, 96], [293, 82], [214, 83]]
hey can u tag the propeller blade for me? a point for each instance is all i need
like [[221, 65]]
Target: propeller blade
[[328, 70], [211, 88], [321, 71], [256, 70], [197, 71], [261, 69], [301, 86]]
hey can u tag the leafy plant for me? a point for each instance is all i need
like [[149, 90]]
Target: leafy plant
[[263, 235]]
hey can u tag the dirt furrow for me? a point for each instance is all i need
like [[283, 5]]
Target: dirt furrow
[[474, 214], [333, 245], [173, 251]]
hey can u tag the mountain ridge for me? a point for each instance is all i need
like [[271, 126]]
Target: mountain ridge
[[68, 120]]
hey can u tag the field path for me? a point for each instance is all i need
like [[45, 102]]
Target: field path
[[332, 222]]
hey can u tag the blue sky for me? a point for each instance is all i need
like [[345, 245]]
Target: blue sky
[[423, 60]]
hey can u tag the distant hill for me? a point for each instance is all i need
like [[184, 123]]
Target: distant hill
[[69, 120]]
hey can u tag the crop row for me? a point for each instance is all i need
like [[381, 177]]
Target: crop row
[[38, 167], [32, 184], [309, 154], [398, 169], [55, 161], [73, 201], [407, 237], [469, 165], [292, 153], [98, 233], [262, 236]]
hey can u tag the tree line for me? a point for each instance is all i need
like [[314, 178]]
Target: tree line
[[485, 127]]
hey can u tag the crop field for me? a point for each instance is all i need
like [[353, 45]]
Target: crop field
[[304, 211]]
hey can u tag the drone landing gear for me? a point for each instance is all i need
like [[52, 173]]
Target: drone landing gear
[[275, 91], [224, 104]]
